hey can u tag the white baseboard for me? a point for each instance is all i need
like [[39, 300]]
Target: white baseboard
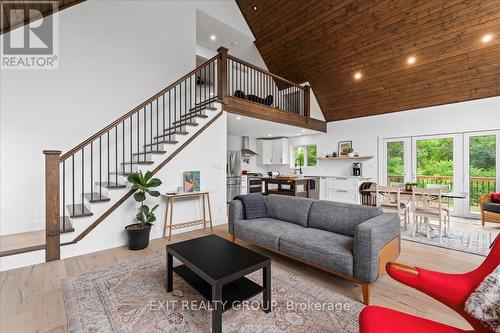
[[15, 228]]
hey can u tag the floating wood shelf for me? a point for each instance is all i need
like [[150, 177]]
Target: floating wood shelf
[[344, 158]]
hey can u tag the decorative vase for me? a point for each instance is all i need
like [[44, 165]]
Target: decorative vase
[[138, 238], [350, 154]]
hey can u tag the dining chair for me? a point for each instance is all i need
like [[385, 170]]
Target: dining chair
[[428, 205], [443, 188], [367, 199], [389, 199]]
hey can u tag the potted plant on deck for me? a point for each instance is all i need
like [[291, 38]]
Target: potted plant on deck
[[138, 233]]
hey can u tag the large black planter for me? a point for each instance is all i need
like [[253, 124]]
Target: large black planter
[[138, 238]]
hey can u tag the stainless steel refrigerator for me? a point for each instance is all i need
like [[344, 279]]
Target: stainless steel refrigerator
[[233, 170]]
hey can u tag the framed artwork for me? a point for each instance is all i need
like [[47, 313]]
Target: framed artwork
[[191, 181], [344, 147]]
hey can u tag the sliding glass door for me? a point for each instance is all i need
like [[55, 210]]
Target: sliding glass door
[[482, 165], [465, 162], [396, 158]]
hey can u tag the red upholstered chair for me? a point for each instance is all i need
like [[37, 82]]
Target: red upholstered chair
[[449, 289]]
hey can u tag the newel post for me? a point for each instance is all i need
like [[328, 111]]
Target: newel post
[[222, 73], [307, 101], [52, 215]]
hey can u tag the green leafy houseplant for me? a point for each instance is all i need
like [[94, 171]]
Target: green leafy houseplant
[[138, 233], [144, 183]]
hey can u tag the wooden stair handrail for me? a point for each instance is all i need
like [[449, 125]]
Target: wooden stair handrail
[[132, 191], [266, 72], [85, 143]]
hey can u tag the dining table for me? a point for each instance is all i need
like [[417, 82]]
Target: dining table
[[404, 192]]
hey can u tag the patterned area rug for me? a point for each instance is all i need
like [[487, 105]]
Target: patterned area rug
[[460, 238], [131, 297]]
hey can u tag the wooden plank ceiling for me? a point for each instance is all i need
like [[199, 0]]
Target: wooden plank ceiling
[[327, 42], [45, 7]]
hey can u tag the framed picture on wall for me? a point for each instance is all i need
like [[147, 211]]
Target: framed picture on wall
[[191, 181], [344, 147]]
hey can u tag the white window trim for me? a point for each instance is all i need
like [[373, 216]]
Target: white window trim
[[292, 161]]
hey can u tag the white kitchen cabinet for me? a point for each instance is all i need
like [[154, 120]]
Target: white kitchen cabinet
[[343, 189], [273, 151]]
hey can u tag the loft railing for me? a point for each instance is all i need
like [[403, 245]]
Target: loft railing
[[101, 160], [254, 84]]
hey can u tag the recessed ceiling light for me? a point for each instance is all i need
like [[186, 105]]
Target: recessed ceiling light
[[303, 130], [213, 37], [297, 134], [411, 60], [358, 76], [269, 135], [238, 118], [487, 38], [254, 7]]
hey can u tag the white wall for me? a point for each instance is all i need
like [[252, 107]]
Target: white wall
[[106, 67], [365, 132]]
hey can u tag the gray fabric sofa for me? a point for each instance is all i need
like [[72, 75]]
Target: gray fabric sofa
[[345, 239]]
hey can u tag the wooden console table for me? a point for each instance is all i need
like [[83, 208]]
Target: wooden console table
[[169, 210]]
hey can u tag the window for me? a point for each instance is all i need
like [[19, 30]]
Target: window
[[305, 156]]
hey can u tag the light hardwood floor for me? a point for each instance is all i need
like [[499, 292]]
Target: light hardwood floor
[[31, 297]]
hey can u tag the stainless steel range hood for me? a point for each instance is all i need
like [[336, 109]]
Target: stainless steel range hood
[[245, 147]]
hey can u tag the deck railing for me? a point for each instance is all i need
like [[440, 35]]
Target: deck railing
[[477, 185]]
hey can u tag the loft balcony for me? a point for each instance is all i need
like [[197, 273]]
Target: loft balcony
[[248, 90]]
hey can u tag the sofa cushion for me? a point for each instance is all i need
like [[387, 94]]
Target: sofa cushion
[[492, 207], [264, 231], [329, 250], [495, 197], [338, 217], [289, 209]]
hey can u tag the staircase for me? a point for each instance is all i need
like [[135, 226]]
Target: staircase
[[86, 184]]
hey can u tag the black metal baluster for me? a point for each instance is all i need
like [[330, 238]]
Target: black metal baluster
[[145, 130], [131, 152], [100, 166], [138, 139], [123, 147], [73, 182], [116, 154], [150, 126], [163, 113], [107, 142], [191, 92], [64, 193], [83, 176], [157, 124], [91, 171], [185, 98]]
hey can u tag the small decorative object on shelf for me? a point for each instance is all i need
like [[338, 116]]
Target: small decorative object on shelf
[[344, 147], [334, 154], [138, 233], [356, 154], [410, 186], [350, 152]]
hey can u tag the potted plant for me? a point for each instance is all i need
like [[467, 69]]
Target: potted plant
[[410, 186], [138, 233], [350, 152]]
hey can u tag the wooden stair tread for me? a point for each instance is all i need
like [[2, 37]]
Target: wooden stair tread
[[138, 162], [167, 142], [96, 197], [175, 132], [110, 185], [78, 210], [186, 117], [22, 242], [149, 152]]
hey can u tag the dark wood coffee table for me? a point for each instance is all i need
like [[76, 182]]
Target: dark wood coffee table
[[216, 268]]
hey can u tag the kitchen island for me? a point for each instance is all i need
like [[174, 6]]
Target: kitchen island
[[287, 185]]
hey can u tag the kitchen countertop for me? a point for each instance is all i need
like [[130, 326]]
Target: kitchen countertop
[[325, 176]]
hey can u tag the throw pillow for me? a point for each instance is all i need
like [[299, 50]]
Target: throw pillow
[[495, 196], [484, 303]]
